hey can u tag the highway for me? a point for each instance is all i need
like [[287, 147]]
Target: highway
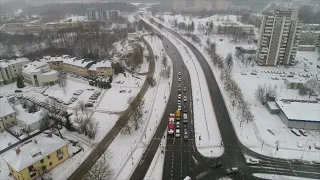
[[199, 167]]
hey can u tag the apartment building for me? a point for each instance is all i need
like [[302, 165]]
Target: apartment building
[[81, 67], [7, 114], [279, 39], [36, 157], [179, 5], [10, 69], [310, 34], [38, 73], [204, 5], [102, 15]]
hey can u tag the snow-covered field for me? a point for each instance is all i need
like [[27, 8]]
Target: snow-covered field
[[257, 133], [6, 139], [126, 150], [206, 127], [279, 177]]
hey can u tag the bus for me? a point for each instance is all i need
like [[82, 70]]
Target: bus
[[171, 128]]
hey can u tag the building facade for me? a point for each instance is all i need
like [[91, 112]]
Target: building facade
[[10, 69], [178, 5], [279, 39], [7, 114], [32, 159], [102, 15], [310, 34], [38, 73]]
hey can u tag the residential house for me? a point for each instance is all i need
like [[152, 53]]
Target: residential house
[[7, 114], [37, 156], [102, 68], [38, 73]]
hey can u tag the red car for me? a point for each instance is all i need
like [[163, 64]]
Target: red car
[[303, 132]]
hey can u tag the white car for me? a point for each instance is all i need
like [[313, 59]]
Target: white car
[[179, 73], [252, 161], [179, 102], [295, 131], [179, 79], [179, 96], [179, 107], [185, 98], [177, 132]]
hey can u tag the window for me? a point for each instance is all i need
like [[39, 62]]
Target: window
[[48, 156], [61, 157], [44, 168], [50, 163], [59, 153], [5, 117], [41, 161], [30, 168], [12, 122], [10, 115], [33, 174]]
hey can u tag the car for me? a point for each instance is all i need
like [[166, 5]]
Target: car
[[172, 115], [179, 107], [252, 161], [295, 131], [179, 73], [296, 161], [184, 89], [179, 90], [216, 165], [177, 124], [185, 117], [185, 98], [179, 97], [89, 105], [177, 133], [179, 79], [303, 132], [233, 170], [179, 102], [316, 162], [51, 97], [318, 66], [45, 94], [18, 91], [185, 110]]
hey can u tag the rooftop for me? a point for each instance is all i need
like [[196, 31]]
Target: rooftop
[[35, 66], [31, 152], [72, 61], [28, 118], [6, 63], [300, 111], [6, 108]]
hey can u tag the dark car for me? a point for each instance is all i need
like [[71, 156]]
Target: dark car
[[216, 165], [233, 170], [17, 91], [89, 105], [296, 161]]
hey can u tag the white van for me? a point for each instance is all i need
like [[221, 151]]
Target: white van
[[187, 178]]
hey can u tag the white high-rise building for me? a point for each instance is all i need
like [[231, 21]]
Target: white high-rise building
[[279, 39]]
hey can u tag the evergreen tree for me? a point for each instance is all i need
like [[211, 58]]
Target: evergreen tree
[[110, 79], [20, 83], [68, 125]]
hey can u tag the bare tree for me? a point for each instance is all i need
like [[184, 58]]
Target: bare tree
[[126, 129], [168, 72], [164, 61], [313, 85], [260, 92], [82, 106], [229, 62], [137, 115], [92, 129], [62, 81], [101, 169], [151, 81]]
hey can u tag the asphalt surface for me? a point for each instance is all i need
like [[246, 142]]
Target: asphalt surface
[[96, 153], [178, 152]]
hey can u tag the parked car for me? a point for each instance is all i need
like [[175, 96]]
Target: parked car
[[295, 131], [18, 91], [185, 133], [252, 161], [179, 107], [184, 89], [177, 124], [179, 73], [233, 170], [216, 165], [89, 105], [179, 79], [296, 161], [303, 132], [185, 118]]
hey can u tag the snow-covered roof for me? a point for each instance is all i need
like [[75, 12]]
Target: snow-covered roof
[[295, 80], [103, 64], [27, 118], [79, 63], [300, 111], [40, 147], [6, 63], [35, 66], [5, 107]]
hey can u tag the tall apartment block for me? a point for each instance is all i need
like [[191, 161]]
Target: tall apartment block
[[279, 39]]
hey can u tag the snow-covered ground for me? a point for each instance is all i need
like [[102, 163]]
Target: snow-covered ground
[[279, 177], [258, 132], [6, 139], [206, 127], [156, 167], [126, 150]]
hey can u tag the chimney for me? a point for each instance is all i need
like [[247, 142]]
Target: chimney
[[18, 151]]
